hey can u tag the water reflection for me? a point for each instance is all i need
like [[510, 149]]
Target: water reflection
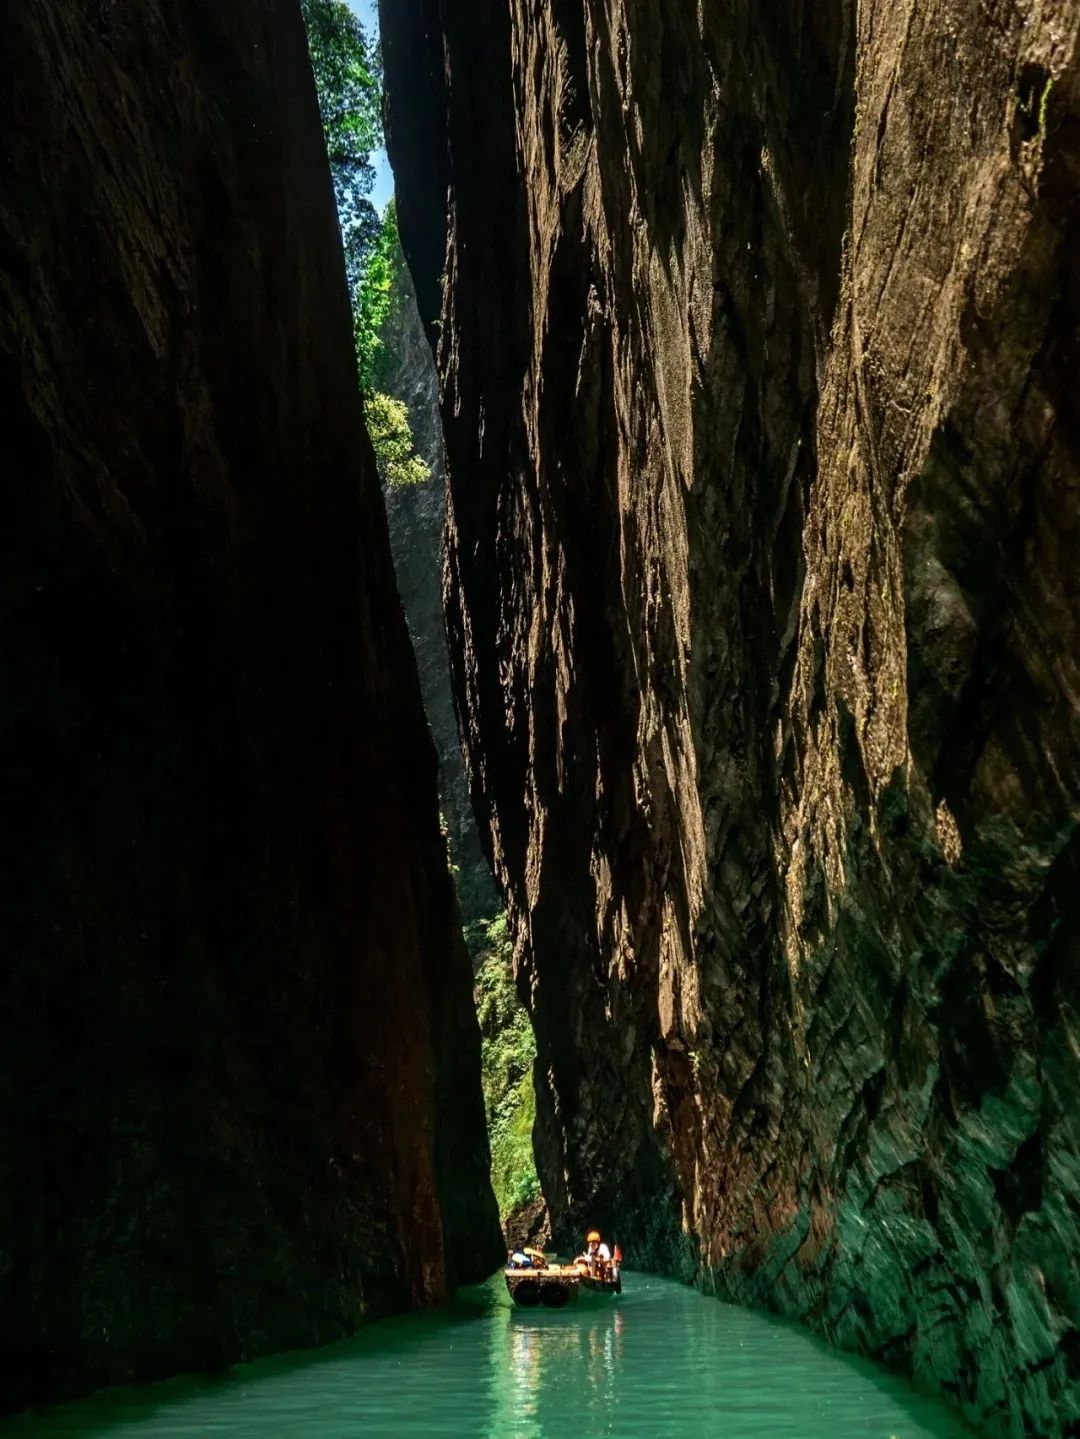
[[661, 1361], [556, 1369]]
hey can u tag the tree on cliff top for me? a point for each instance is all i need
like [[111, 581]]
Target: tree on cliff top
[[348, 74], [347, 78], [378, 289]]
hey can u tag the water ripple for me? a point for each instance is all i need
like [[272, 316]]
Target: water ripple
[[662, 1361]]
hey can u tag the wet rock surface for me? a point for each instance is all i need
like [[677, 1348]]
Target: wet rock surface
[[239, 1067], [756, 346]]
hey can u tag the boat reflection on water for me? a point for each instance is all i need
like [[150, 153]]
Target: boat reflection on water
[[561, 1365], [660, 1361]]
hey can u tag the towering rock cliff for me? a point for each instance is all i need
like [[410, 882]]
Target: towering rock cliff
[[757, 346], [415, 514], [239, 1069]]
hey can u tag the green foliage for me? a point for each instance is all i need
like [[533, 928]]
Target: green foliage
[[391, 438], [388, 418], [373, 301], [485, 935], [348, 75], [348, 80], [509, 1050]]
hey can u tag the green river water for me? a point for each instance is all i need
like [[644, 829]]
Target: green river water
[[662, 1360]]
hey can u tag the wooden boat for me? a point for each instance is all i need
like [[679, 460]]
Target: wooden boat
[[558, 1286]]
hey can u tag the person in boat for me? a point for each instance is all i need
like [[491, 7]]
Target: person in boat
[[525, 1257], [597, 1256]]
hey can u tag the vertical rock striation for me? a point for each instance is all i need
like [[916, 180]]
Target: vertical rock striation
[[757, 347], [415, 514], [239, 1068]]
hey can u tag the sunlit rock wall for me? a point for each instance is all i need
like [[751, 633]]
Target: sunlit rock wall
[[239, 1070], [758, 343]]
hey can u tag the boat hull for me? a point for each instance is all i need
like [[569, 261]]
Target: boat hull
[[594, 1292], [558, 1289]]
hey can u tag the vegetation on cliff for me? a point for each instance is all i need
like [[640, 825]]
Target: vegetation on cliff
[[509, 1050], [391, 438], [378, 292], [381, 290], [393, 362], [348, 75], [347, 67]]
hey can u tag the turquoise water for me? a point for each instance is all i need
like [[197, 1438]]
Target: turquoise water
[[661, 1361]]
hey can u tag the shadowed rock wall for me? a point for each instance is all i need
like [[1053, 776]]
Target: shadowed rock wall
[[415, 515], [239, 1068], [757, 346]]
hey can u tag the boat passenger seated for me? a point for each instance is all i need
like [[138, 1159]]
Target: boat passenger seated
[[518, 1259], [597, 1257]]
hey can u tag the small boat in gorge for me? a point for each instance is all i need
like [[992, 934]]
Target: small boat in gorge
[[533, 1283], [558, 1287]]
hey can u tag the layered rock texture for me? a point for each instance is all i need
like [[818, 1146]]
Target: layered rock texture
[[415, 514], [239, 1068], [758, 342]]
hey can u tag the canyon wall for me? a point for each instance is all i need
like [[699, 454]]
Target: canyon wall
[[757, 344], [240, 1101], [415, 513]]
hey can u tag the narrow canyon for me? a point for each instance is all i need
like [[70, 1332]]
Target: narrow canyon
[[755, 332]]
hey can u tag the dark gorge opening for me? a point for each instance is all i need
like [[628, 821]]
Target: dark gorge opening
[[398, 378], [564, 679]]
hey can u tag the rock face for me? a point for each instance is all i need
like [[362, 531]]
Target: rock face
[[415, 514], [757, 348], [239, 1068]]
